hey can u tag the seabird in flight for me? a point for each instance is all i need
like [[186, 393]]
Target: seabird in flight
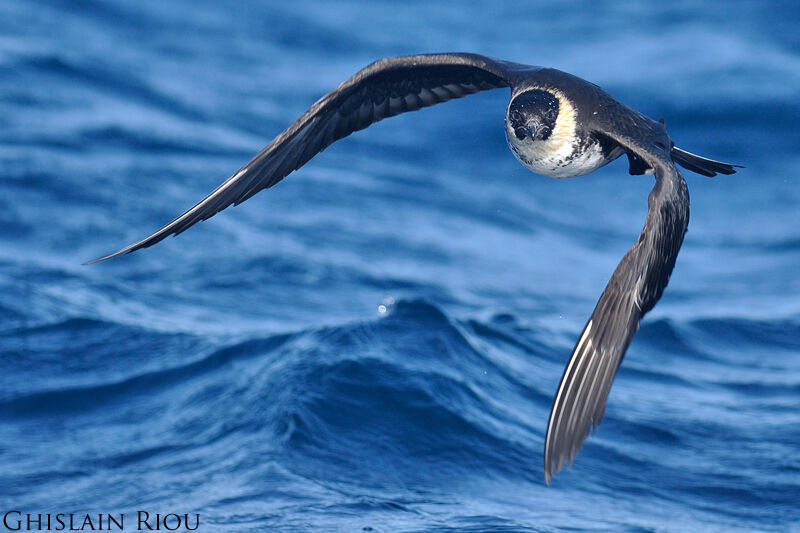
[[557, 125]]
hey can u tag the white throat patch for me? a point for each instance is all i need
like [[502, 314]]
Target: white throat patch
[[561, 154]]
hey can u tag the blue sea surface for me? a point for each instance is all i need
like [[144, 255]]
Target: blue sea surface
[[374, 344]]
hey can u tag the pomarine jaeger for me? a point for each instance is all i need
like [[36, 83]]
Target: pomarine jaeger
[[557, 125]]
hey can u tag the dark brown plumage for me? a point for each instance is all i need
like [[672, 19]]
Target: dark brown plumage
[[596, 129]]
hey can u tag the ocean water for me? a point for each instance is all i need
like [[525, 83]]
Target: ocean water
[[374, 344]]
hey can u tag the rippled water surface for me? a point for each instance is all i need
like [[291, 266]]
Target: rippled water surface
[[374, 344]]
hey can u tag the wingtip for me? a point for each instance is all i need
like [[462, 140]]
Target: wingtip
[[551, 468], [548, 472], [552, 465], [109, 256], [97, 260]]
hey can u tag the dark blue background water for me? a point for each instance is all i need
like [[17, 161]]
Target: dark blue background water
[[246, 371]]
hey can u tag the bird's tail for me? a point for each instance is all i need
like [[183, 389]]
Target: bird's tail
[[701, 165]]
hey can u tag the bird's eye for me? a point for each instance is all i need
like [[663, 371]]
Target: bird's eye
[[515, 116], [520, 132]]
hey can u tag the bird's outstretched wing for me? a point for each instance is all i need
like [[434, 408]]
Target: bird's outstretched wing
[[634, 288], [383, 89]]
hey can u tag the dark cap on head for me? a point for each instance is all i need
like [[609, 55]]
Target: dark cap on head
[[533, 114]]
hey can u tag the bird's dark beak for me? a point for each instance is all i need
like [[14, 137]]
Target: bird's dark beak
[[532, 128], [529, 130]]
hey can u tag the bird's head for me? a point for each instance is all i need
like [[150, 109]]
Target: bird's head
[[531, 116]]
